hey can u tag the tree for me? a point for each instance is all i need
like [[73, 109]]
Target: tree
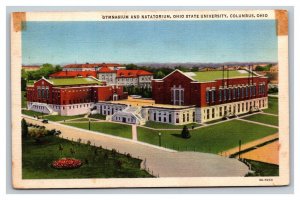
[[24, 128], [185, 133], [195, 69], [160, 74], [37, 133]]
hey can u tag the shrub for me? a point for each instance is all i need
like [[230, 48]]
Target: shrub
[[88, 143], [185, 133], [24, 128], [37, 133], [128, 155]]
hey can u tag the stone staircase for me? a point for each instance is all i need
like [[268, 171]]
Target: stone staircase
[[136, 111], [48, 108]]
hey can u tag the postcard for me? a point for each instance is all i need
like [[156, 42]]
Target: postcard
[[150, 99]]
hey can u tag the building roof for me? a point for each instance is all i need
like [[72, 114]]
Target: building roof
[[105, 69], [215, 75], [93, 65], [71, 74], [132, 73], [74, 81]]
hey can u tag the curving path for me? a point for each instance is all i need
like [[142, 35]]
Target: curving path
[[160, 161]]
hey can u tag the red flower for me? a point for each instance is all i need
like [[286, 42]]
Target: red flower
[[66, 163]]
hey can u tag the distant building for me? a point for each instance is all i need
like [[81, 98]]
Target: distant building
[[138, 78], [31, 67], [91, 67]]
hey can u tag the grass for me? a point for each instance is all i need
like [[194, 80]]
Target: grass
[[213, 75], [158, 125], [61, 118], [210, 139], [266, 119], [83, 120], [98, 116], [263, 169], [24, 99], [73, 81], [37, 159], [273, 106], [121, 130], [31, 113]]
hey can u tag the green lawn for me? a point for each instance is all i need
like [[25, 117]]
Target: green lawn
[[31, 113], [24, 100], [212, 139], [159, 125], [83, 120], [263, 169], [121, 130], [267, 119], [61, 118], [37, 159], [273, 106], [213, 75], [98, 116]]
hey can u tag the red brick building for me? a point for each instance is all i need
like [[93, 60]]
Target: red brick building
[[216, 93], [70, 96]]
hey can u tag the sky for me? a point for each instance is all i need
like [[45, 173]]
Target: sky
[[149, 41]]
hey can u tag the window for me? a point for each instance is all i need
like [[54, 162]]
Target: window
[[229, 93], [243, 92], [213, 95], [225, 94], [154, 116], [187, 117], [233, 93], [220, 95], [207, 96], [254, 90], [207, 116], [220, 113], [246, 91], [193, 116], [177, 95], [238, 93], [170, 118], [213, 113], [183, 118]]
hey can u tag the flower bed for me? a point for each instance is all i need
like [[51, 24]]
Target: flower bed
[[66, 163]]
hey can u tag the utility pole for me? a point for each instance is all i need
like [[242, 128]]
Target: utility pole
[[159, 139]]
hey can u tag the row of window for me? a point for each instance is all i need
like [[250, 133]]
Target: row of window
[[43, 92], [234, 109], [227, 94], [168, 118]]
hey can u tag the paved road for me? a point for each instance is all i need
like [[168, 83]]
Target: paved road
[[163, 162]]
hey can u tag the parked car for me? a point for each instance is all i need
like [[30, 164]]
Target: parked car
[[57, 133], [45, 121]]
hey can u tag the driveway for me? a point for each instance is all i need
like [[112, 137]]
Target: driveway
[[159, 161]]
